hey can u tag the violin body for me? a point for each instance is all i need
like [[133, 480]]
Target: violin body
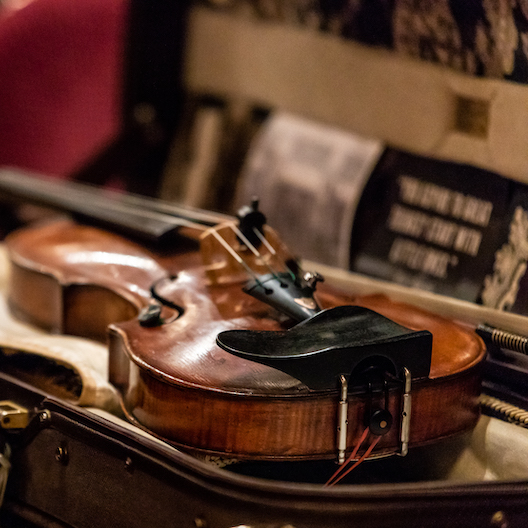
[[64, 281], [178, 383]]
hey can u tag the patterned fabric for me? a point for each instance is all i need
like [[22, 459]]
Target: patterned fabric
[[487, 38]]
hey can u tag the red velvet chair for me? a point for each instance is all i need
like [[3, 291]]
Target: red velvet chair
[[60, 82]]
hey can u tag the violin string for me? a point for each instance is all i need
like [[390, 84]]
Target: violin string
[[271, 249], [264, 241], [237, 257], [255, 251], [251, 247]]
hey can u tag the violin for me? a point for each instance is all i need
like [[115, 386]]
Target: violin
[[228, 348]]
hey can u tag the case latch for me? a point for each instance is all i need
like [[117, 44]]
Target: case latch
[[13, 416]]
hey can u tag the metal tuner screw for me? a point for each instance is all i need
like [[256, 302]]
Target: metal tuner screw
[[312, 278]]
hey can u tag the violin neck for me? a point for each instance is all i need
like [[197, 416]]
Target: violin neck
[[147, 219]]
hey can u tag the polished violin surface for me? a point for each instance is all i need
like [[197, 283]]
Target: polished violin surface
[[225, 346]]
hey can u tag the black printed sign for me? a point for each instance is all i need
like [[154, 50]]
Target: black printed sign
[[430, 224]]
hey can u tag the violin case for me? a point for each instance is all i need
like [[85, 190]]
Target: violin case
[[75, 467], [67, 464]]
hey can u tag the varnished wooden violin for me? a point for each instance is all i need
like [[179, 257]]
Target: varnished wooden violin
[[232, 350]]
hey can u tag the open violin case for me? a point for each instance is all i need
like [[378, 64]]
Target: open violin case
[[441, 110]]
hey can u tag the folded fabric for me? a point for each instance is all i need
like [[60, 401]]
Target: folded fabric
[[72, 368]]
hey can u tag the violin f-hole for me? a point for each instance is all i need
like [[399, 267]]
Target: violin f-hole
[[153, 315]]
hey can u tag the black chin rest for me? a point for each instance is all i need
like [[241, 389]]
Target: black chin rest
[[333, 342]]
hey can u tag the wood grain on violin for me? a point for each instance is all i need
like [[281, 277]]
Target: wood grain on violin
[[179, 383]]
